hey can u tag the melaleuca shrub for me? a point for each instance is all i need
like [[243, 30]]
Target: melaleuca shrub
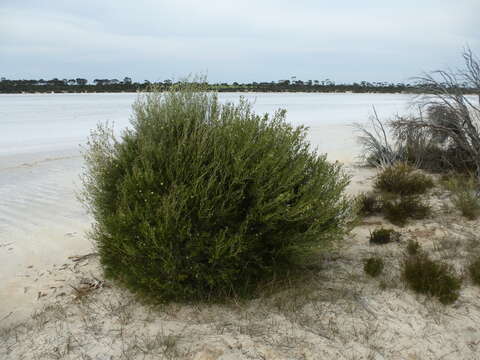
[[202, 200]]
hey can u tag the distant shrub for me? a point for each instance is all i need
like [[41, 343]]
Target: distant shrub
[[399, 209], [383, 236], [430, 277], [413, 247], [465, 196], [444, 135], [201, 200], [402, 179], [368, 204], [474, 269], [373, 266]]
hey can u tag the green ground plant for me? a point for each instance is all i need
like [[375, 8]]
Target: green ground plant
[[398, 209], [431, 277], [368, 204], [383, 236], [464, 190], [200, 200], [373, 266], [402, 179], [413, 247]]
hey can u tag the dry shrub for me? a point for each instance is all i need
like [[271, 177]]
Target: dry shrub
[[474, 269]]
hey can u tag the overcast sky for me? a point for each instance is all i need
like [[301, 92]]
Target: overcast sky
[[234, 40]]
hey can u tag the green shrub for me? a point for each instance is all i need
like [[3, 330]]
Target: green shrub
[[413, 247], [465, 197], [201, 200], [383, 236], [399, 209], [368, 204], [474, 269], [373, 266], [430, 277], [402, 179]]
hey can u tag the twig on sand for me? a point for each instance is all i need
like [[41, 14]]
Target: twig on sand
[[362, 302], [6, 316], [77, 258]]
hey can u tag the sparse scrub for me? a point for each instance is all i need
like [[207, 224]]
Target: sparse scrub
[[413, 247], [399, 209], [201, 200], [373, 266], [430, 277], [402, 179], [383, 236], [368, 204], [465, 194], [474, 269]]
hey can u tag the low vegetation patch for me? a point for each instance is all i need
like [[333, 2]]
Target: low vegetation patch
[[398, 209], [373, 266], [413, 247], [465, 194], [430, 277], [368, 204], [201, 200], [402, 179], [474, 269], [383, 236]]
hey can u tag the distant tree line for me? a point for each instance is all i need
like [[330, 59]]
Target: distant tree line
[[79, 85]]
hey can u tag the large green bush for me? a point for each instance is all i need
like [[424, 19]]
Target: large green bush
[[201, 200]]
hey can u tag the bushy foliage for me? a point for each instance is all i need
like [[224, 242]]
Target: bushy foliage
[[465, 194], [434, 278], [368, 204], [401, 208], [413, 247], [474, 269], [383, 236], [200, 200], [373, 266], [402, 179]]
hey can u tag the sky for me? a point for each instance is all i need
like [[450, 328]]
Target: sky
[[232, 40]]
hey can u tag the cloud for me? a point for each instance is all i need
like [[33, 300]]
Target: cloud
[[233, 40]]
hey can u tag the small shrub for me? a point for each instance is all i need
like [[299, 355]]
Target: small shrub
[[464, 194], [430, 277], [474, 269], [399, 209], [373, 266], [402, 179], [201, 200], [368, 204], [413, 247], [383, 236]]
